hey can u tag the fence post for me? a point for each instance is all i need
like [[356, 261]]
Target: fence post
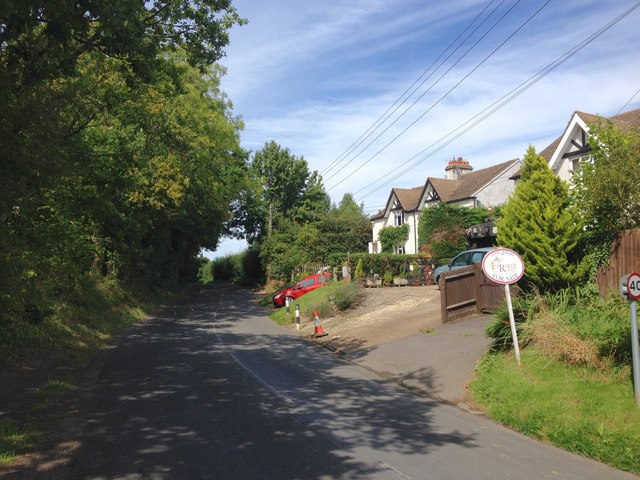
[[443, 300]]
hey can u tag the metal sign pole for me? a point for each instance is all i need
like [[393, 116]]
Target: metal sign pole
[[512, 322], [634, 351]]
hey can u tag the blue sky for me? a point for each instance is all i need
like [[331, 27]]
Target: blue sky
[[314, 76]]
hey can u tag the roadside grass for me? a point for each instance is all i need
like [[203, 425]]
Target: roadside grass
[[53, 390], [70, 334], [84, 324], [326, 300], [15, 439], [578, 408]]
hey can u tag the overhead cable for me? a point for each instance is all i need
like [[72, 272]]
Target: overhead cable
[[494, 107], [400, 101], [443, 96]]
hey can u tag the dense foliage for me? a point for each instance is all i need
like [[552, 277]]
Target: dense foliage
[[380, 263], [392, 237], [242, 269], [540, 223], [606, 187], [119, 151], [285, 213], [441, 231]]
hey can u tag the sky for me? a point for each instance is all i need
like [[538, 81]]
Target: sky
[[381, 94]]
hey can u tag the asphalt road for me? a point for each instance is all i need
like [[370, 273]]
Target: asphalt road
[[212, 389]]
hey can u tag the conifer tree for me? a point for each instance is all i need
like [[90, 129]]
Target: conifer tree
[[540, 224]]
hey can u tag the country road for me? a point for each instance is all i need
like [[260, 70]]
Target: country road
[[212, 389]]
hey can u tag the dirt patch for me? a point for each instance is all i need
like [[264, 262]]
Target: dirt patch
[[385, 314]]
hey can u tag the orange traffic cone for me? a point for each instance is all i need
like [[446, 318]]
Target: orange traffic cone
[[319, 332]]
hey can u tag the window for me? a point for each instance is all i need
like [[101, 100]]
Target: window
[[308, 282], [399, 250], [399, 218], [477, 257], [460, 260]]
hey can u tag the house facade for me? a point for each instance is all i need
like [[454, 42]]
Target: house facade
[[462, 186], [567, 152]]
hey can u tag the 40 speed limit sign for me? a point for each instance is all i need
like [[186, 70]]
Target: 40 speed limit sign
[[633, 285]]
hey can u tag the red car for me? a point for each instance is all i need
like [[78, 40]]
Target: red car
[[303, 286]]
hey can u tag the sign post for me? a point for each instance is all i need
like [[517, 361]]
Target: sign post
[[630, 287], [505, 266]]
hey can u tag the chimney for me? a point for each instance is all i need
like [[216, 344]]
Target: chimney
[[456, 168]]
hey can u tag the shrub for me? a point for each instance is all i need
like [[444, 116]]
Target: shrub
[[347, 295], [574, 326], [499, 329], [359, 273]]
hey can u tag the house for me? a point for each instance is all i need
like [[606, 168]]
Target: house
[[566, 152], [461, 186]]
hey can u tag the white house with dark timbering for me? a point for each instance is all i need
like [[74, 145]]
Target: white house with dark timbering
[[461, 186], [566, 152]]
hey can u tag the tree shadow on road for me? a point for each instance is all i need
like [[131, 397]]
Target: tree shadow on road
[[212, 389]]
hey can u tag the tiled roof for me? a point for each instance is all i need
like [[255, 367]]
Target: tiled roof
[[625, 121], [468, 185], [409, 198]]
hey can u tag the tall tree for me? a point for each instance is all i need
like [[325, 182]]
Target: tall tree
[[117, 153], [540, 224], [281, 187]]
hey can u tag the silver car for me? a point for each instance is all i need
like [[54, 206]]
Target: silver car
[[464, 259]]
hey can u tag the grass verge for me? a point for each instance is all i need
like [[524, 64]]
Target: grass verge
[[326, 300], [15, 439], [66, 339], [580, 409]]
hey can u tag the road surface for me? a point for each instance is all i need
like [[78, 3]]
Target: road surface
[[212, 389]]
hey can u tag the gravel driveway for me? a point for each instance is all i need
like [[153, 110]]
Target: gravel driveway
[[386, 314]]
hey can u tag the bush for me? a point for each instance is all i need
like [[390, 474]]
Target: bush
[[359, 273], [379, 262], [347, 295], [575, 326], [499, 329]]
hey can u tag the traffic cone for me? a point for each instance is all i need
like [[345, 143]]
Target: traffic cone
[[319, 332]]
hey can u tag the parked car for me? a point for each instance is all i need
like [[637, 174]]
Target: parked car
[[464, 259], [305, 285]]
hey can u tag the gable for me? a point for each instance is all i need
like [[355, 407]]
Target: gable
[[467, 187], [573, 142], [565, 151]]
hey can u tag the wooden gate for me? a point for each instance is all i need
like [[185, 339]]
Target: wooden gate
[[466, 292]]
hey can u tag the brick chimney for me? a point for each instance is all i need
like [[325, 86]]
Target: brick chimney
[[456, 168]]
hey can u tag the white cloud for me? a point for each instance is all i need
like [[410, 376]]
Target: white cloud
[[313, 76]]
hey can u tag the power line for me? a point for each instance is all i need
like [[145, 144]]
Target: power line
[[445, 95], [628, 102], [435, 82], [399, 101], [487, 112]]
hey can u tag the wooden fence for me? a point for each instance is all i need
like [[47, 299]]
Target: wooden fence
[[625, 258], [466, 292]]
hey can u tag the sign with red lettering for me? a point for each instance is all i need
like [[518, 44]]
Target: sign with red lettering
[[503, 265], [633, 286]]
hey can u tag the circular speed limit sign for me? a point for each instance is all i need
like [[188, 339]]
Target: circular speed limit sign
[[633, 286]]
